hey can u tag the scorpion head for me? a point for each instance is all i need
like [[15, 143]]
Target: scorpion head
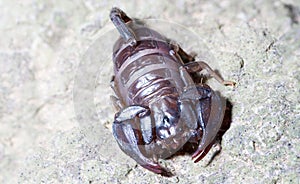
[[171, 132]]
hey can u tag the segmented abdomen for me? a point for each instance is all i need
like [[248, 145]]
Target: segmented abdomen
[[146, 72]]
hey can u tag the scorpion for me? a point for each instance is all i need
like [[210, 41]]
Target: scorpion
[[160, 107]]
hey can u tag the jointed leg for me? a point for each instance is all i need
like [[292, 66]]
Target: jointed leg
[[200, 65], [116, 103], [192, 67], [185, 57]]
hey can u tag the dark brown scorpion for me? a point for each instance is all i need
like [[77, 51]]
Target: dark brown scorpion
[[160, 106]]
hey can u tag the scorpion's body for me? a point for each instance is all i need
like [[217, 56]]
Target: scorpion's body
[[160, 106], [148, 75], [148, 72]]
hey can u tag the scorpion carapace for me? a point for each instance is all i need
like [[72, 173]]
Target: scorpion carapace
[[160, 107]]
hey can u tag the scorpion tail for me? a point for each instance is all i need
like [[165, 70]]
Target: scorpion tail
[[119, 19]]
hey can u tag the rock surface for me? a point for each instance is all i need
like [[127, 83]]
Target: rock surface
[[51, 134]]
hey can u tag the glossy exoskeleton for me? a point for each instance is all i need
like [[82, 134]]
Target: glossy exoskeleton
[[160, 107]]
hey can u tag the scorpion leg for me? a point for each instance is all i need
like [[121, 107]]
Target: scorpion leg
[[128, 139], [116, 102], [185, 57], [119, 19], [200, 65]]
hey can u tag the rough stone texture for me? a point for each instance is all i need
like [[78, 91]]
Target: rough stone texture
[[43, 140]]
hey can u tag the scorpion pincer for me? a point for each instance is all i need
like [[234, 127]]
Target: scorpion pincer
[[160, 108]]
